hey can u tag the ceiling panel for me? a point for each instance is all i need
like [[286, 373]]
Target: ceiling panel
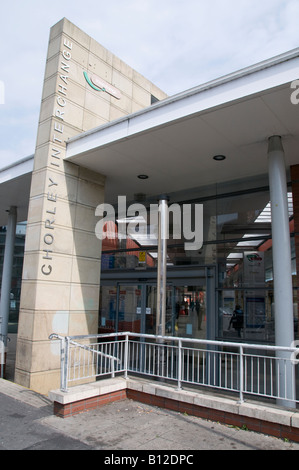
[[246, 122], [15, 192]]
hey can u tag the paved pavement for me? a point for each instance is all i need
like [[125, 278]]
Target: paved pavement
[[27, 422]]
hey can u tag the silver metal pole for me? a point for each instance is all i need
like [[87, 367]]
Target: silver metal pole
[[6, 277], [162, 265], [180, 365], [65, 368], [282, 272], [126, 358], [241, 372]]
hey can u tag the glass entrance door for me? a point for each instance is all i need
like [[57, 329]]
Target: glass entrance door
[[190, 310], [185, 311], [120, 308], [133, 306], [150, 324], [130, 307]]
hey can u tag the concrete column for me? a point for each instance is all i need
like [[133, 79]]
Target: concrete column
[[162, 264], [295, 191], [6, 280], [283, 295]]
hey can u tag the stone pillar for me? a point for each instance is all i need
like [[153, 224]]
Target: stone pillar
[[61, 274], [84, 86]]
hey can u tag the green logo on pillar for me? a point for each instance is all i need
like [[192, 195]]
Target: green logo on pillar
[[98, 84]]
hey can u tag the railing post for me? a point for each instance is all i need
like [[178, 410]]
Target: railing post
[[112, 365], [235, 376], [241, 372], [180, 366], [64, 363], [2, 356], [126, 356], [112, 368]]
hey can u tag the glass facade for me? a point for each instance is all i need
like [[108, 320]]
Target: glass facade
[[122, 305], [15, 293], [236, 241]]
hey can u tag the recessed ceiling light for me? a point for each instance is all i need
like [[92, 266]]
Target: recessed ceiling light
[[219, 158], [143, 177]]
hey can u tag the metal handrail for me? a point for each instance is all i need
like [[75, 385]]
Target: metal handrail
[[184, 339], [127, 341], [67, 340]]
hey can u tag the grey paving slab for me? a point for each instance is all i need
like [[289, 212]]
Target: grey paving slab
[[27, 422], [136, 426], [21, 428]]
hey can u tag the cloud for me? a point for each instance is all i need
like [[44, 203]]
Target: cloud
[[176, 44]]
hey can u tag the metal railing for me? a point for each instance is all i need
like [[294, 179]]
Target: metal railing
[[4, 339], [2, 356], [253, 369]]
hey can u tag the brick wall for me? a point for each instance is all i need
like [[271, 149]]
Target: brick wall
[[258, 424]]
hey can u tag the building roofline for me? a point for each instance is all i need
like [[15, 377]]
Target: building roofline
[[17, 163], [244, 72]]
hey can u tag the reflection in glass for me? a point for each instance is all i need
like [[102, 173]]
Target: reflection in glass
[[16, 282], [237, 239]]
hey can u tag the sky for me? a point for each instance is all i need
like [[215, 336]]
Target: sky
[[177, 44]]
